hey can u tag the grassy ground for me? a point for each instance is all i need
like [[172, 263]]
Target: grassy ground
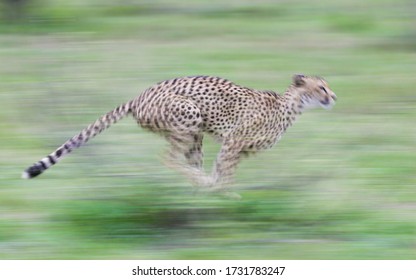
[[340, 185]]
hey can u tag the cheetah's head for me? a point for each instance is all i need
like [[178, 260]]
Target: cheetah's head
[[314, 91]]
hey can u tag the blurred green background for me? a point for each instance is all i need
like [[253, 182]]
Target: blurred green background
[[339, 185]]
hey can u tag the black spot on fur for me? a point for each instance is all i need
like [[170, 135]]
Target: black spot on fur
[[51, 160], [59, 153]]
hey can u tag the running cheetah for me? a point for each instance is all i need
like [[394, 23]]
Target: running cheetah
[[243, 120]]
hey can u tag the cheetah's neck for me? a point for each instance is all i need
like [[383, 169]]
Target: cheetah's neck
[[293, 106]]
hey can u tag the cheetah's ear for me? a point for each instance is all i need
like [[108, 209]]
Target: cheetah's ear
[[299, 80]]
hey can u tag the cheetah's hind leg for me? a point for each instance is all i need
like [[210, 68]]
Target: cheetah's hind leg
[[186, 157], [224, 168]]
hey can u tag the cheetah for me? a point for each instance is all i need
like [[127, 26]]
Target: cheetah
[[182, 110]]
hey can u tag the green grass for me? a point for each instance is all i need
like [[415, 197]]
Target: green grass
[[339, 185]]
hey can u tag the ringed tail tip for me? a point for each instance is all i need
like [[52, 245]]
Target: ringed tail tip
[[32, 171], [87, 133]]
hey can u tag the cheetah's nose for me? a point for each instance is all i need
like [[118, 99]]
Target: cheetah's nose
[[334, 97]]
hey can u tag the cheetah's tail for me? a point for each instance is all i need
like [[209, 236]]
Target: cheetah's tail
[[86, 134]]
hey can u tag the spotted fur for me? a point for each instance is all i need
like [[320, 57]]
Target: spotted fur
[[243, 120]]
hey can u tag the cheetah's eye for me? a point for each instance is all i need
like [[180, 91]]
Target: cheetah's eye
[[323, 88]]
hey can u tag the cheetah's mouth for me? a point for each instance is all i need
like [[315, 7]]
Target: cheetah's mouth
[[328, 102], [325, 101]]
